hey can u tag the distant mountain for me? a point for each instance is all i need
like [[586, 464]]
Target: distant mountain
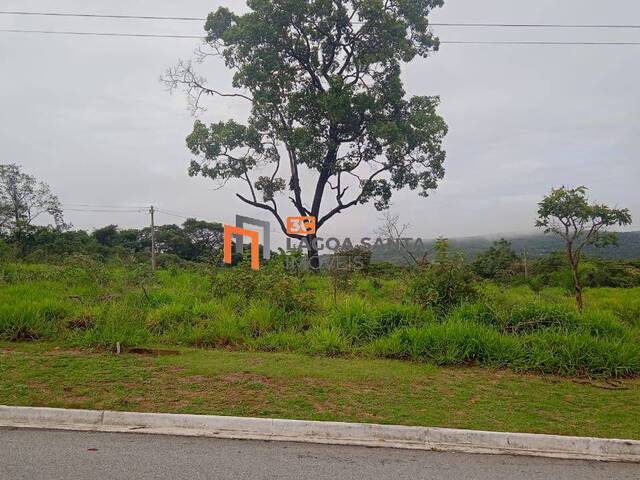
[[536, 245]]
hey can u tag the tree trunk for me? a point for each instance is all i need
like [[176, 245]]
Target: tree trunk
[[312, 253], [577, 286]]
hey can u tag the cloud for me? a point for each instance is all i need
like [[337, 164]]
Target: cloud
[[89, 116]]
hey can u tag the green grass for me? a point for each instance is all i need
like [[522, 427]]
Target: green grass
[[298, 386], [98, 305]]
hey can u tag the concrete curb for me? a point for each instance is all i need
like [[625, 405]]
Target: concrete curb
[[336, 433]]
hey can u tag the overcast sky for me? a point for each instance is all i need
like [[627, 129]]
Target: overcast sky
[[89, 116]]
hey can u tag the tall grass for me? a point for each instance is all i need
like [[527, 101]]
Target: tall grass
[[507, 327]]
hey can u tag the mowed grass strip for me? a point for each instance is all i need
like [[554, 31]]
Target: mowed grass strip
[[220, 382]]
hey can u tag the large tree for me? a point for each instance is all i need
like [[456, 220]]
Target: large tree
[[23, 200], [323, 81], [206, 237], [567, 213]]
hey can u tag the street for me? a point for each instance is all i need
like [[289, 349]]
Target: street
[[44, 454]]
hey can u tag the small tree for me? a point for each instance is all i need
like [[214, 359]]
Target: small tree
[[567, 213], [391, 229], [443, 283], [496, 260], [22, 200]]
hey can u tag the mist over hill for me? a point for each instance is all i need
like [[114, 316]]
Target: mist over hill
[[535, 245]]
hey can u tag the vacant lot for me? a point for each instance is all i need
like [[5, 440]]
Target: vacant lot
[[94, 305]]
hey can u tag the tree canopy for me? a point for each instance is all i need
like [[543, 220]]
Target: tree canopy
[[23, 200]]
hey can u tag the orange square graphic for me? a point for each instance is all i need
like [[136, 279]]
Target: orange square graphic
[[301, 225]]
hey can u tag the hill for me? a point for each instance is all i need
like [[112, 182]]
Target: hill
[[536, 245]]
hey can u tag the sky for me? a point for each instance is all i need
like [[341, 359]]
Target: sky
[[89, 116]]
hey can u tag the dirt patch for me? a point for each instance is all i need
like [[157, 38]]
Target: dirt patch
[[156, 352], [247, 377], [195, 379], [66, 352]]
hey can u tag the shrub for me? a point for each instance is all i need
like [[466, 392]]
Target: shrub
[[285, 291], [443, 284], [288, 294], [495, 261]]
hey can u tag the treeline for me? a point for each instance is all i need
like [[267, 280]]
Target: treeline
[[501, 263], [535, 245], [194, 240], [202, 242]]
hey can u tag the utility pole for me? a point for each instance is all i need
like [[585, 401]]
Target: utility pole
[[153, 240]]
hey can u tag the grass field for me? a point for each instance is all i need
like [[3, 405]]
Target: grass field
[[319, 388], [88, 304]]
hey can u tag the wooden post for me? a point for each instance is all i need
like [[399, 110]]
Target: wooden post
[[153, 239]]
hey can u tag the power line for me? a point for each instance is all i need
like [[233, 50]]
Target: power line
[[534, 25], [100, 34], [95, 15], [172, 214], [534, 42], [451, 42], [100, 210], [439, 24], [127, 207], [176, 212]]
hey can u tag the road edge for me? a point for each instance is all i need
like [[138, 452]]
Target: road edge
[[334, 433]]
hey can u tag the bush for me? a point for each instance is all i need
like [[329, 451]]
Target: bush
[[285, 291], [288, 294], [444, 284], [494, 262]]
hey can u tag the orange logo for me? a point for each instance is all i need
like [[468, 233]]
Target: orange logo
[[301, 225], [229, 231]]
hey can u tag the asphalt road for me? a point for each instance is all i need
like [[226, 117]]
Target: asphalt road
[[44, 454]]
